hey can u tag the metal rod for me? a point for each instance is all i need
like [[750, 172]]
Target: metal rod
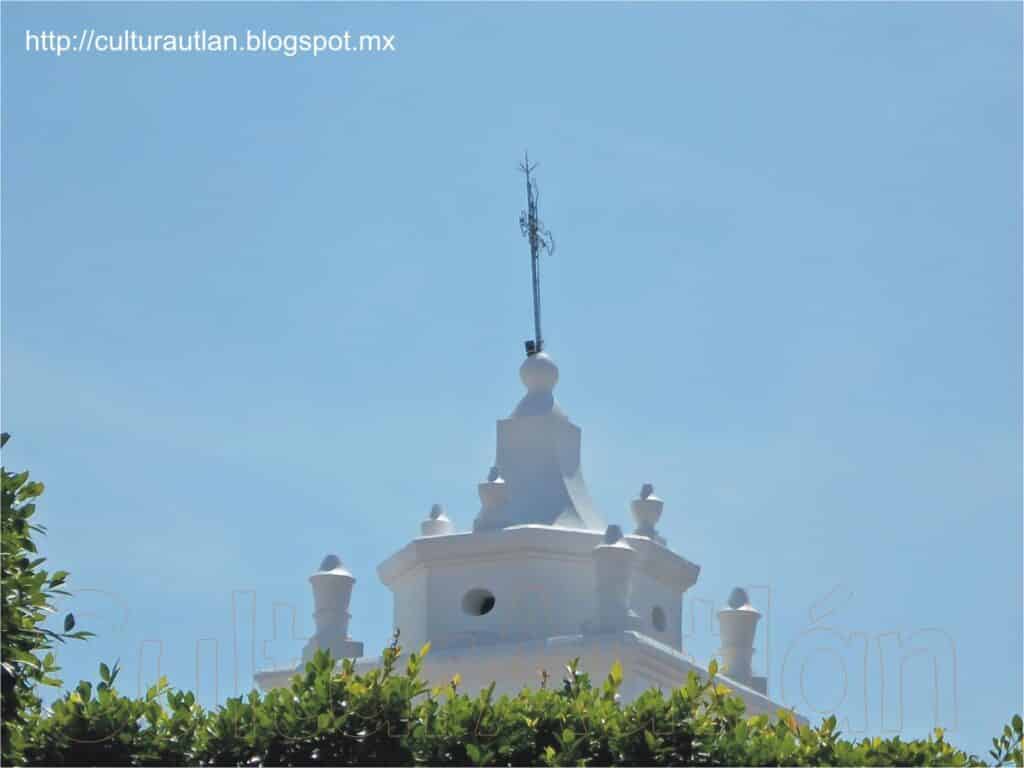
[[539, 238], [534, 261]]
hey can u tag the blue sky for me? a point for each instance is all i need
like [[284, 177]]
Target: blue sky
[[259, 308]]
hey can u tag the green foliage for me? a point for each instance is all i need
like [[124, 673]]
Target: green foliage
[[1007, 745], [332, 716], [28, 593]]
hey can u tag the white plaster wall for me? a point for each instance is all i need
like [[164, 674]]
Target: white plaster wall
[[412, 606], [536, 596], [542, 580], [648, 593]]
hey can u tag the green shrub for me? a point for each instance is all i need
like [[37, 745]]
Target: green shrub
[[330, 715], [27, 593]]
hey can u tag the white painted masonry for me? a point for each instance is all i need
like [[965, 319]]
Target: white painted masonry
[[540, 579]]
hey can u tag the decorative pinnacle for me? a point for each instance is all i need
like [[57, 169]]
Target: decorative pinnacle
[[612, 534], [647, 512], [330, 562], [738, 598], [437, 522]]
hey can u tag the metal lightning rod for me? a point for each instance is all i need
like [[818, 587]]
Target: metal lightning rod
[[540, 239]]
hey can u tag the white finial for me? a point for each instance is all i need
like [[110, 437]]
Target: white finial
[[539, 373], [332, 564], [647, 510], [437, 524], [739, 598], [493, 491], [612, 534], [538, 455], [613, 560], [332, 592], [737, 623]]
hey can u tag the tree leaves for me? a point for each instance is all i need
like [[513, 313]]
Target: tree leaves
[[1008, 747], [330, 715], [28, 596]]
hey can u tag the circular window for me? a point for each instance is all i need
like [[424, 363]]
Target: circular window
[[478, 602], [658, 618]]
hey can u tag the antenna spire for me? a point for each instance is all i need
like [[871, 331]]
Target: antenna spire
[[540, 239]]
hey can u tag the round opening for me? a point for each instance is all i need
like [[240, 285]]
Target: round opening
[[658, 618], [478, 602]]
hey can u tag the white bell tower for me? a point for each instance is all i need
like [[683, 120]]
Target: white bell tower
[[538, 577]]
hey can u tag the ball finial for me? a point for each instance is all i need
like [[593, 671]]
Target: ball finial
[[437, 522], [539, 373], [612, 534], [738, 598], [646, 510], [330, 563]]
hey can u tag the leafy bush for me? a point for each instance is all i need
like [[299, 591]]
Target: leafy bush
[[28, 592], [332, 716]]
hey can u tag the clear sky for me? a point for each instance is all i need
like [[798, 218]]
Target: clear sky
[[260, 308]]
